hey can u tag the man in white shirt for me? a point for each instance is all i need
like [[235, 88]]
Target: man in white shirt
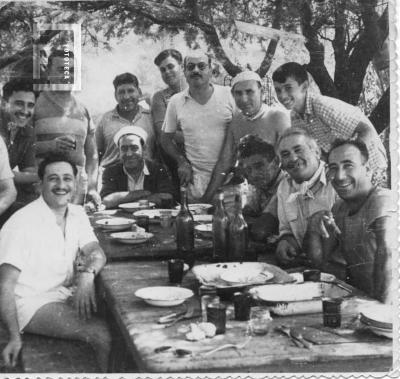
[[43, 289], [203, 111], [8, 193]]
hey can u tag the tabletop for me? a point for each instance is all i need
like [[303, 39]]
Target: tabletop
[[274, 352]]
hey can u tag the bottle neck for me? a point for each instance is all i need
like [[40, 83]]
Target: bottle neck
[[184, 204]]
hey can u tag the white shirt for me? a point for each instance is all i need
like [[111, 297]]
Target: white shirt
[[204, 128], [137, 185], [32, 242]]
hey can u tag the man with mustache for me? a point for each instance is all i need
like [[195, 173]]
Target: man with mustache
[[49, 257], [128, 112], [260, 166], [326, 118], [203, 111], [18, 134], [254, 118], [304, 192], [63, 125], [133, 177], [361, 226]]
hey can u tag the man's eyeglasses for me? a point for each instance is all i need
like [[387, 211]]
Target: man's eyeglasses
[[191, 66]]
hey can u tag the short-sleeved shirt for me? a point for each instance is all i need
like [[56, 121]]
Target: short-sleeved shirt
[[111, 123], [357, 241], [268, 124], [32, 242], [327, 119], [5, 169], [295, 208], [21, 149], [59, 114], [264, 201], [204, 127]]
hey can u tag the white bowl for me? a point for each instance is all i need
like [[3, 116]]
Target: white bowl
[[131, 207], [132, 238], [116, 223], [164, 296]]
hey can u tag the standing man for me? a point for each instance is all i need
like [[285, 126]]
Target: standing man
[[203, 111], [63, 125], [128, 112], [19, 136], [361, 226], [326, 118], [305, 192], [8, 193], [255, 118], [39, 246]]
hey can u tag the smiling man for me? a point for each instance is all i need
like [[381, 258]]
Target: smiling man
[[361, 226], [133, 177], [18, 134], [305, 192], [203, 111], [39, 248], [128, 112], [326, 118]]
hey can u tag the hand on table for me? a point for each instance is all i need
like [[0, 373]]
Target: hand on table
[[94, 197], [286, 251], [11, 351], [84, 299]]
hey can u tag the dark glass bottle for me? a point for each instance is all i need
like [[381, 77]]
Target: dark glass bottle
[[220, 226], [238, 233], [185, 231]]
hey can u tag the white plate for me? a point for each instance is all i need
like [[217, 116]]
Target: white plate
[[106, 212], [377, 315], [131, 238], [164, 296], [212, 274], [199, 208], [243, 275], [116, 223], [154, 213], [204, 228], [131, 207], [388, 333], [202, 218]]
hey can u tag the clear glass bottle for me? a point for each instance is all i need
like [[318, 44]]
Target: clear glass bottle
[[238, 233], [220, 228], [185, 231]]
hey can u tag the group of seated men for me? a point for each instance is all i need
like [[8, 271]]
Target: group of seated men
[[315, 176]]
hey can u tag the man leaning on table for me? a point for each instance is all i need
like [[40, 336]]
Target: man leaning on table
[[302, 193], [43, 289], [133, 177], [361, 226]]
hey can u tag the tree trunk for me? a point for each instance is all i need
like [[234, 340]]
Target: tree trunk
[[380, 116]]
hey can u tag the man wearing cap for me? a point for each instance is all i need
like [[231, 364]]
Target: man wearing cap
[[254, 118], [128, 112], [203, 111], [133, 177]]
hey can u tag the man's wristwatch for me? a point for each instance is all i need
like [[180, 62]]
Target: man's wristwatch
[[90, 270]]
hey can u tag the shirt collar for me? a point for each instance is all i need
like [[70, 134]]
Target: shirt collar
[[115, 114], [308, 105], [46, 211], [319, 176], [259, 114], [145, 171], [187, 95]]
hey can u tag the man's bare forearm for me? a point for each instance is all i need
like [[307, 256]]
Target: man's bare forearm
[[8, 194], [114, 199], [170, 147], [92, 257]]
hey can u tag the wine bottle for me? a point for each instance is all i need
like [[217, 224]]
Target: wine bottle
[[238, 234], [220, 226], [185, 231]]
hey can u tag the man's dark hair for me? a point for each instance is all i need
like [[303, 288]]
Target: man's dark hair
[[250, 145], [54, 158], [58, 54], [126, 78], [15, 85], [290, 70], [168, 53], [357, 143]]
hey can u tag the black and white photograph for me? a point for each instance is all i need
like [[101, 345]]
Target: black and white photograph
[[199, 188]]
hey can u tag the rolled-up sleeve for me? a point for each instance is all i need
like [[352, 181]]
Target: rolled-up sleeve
[[171, 117]]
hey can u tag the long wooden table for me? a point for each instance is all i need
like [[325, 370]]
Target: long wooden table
[[274, 352]]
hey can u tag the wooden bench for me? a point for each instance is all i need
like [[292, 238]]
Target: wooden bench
[[51, 355]]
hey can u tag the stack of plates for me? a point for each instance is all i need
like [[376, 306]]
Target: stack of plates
[[378, 319]]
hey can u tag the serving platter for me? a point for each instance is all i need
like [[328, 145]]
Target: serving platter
[[377, 315], [132, 238], [164, 296], [115, 223], [232, 274]]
